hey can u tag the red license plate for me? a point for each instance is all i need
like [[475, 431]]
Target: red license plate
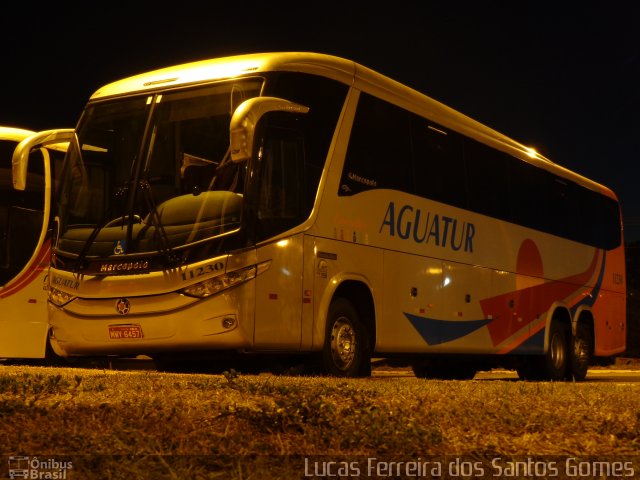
[[123, 332]]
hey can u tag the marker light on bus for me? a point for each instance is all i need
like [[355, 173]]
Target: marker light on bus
[[58, 297], [217, 284]]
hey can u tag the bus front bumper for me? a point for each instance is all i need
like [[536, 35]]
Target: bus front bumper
[[169, 322]]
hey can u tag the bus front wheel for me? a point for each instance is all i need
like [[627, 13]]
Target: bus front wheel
[[346, 351]]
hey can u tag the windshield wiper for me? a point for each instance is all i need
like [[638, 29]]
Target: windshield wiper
[[155, 220], [121, 192]]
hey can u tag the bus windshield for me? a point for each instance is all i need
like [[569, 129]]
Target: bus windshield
[[152, 173]]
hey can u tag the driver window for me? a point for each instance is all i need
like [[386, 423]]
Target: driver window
[[280, 197]]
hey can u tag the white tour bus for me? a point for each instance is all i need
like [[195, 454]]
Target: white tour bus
[[303, 206], [24, 249]]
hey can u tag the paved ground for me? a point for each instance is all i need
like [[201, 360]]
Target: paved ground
[[625, 370]]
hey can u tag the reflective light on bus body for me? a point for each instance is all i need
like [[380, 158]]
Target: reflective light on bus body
[[286, 272]]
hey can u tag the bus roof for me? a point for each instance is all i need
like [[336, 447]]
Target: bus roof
[[14, 134], [345, 71], [231, 67]]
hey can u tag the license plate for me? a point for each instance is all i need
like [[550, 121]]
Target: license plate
[[123, 332]]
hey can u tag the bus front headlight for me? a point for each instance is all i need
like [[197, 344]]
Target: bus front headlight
[[217, 284]]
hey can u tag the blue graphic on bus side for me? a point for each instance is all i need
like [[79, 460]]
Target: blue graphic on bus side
[[435, 332]]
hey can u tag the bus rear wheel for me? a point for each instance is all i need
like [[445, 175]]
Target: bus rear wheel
[[346, 352], [581, 348], [554, 364], [556, 360]]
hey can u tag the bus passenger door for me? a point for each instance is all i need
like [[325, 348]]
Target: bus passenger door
[[279, 295], [280, 206]]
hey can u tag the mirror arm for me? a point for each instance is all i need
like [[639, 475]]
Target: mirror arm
[[20, 159], [246, 117]]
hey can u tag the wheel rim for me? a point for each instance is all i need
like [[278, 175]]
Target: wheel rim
[[581, 350], [343, 343], [557, 352]]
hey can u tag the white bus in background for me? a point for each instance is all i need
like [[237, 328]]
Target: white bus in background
[[300, 205], [25, 245]]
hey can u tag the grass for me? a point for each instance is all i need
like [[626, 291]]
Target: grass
[[145, 424]]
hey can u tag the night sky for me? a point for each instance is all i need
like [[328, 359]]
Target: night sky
[[564, 80]]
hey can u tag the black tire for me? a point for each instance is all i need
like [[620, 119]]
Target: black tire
[[556, 359], [346, 351], [554, 363], [581, 352]]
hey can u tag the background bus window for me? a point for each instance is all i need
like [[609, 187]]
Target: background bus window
[[21, 213]]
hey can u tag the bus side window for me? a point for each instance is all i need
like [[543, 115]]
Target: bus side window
[[487, 179], [530, 193], [439, 163], [379, 153]]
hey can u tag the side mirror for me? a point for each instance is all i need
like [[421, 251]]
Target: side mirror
[[20, 159], [246, 117]]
